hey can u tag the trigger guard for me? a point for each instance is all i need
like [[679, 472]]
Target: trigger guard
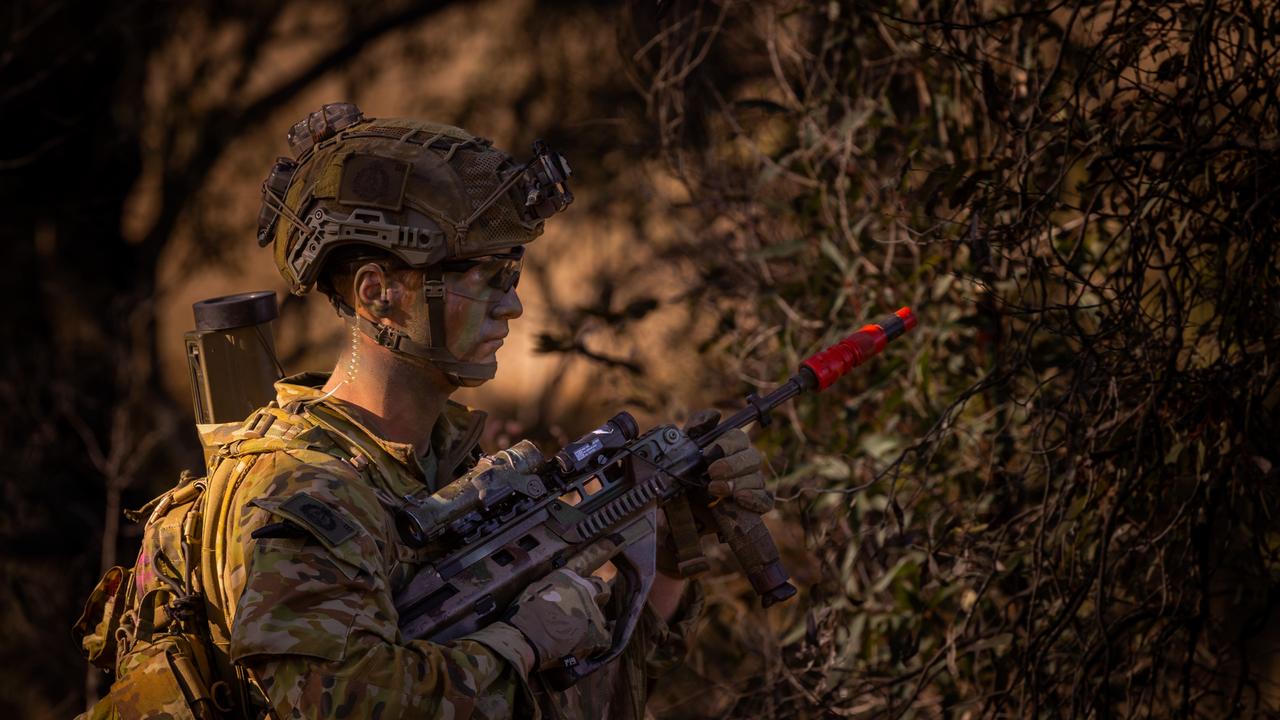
[[637, 566]]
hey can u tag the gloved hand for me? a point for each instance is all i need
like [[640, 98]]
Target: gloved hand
[[735, 487], [560, 615], [736, 481], [738, 477]]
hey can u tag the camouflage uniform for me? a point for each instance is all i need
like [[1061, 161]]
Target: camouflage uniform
[[276, 574], [307, 561]]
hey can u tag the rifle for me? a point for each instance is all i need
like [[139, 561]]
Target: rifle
[[596, 501]]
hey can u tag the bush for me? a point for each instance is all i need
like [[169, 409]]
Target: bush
[[1056, 496]]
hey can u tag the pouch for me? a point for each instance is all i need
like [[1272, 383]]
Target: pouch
[[96, 628], [165, 678]]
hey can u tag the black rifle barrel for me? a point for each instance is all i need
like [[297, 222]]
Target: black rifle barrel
[[817, 372]]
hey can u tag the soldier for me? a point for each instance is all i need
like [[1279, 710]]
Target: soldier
[[416, 232]]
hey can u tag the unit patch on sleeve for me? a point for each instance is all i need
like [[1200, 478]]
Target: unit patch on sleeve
[[328, 524]]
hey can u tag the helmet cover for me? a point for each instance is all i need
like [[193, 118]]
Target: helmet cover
[[421, 191]]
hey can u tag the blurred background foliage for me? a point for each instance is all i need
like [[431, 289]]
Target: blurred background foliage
[[1056, 497]]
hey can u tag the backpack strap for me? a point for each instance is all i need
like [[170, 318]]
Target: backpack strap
[[269, 429]]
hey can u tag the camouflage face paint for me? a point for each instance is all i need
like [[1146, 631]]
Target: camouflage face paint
[[480, 299], [479, 302]]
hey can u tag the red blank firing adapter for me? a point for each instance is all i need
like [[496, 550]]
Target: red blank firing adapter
[[832, 363]]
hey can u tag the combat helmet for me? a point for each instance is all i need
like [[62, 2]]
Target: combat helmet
[[423, 192]]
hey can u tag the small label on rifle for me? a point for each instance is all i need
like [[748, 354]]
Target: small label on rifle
[[588, 450]]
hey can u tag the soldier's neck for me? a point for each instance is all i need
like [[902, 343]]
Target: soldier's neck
[[401, 399]]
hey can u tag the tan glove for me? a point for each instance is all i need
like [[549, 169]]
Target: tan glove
[[560, 616], [735, 486], [738, 477]]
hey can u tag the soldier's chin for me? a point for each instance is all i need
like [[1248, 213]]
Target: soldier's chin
[[470, 382]]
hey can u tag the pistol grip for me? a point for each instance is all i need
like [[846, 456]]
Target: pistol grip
[[637, 565]]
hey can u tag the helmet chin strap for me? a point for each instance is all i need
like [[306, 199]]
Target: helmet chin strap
[[433, 350]]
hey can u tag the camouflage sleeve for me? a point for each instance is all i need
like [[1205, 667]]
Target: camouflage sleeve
[[669, 640], [314, 619]]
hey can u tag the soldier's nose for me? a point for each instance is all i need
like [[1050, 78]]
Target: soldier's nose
[[509, 307]]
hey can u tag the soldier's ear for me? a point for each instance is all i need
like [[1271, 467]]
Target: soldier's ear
[[372, 290]]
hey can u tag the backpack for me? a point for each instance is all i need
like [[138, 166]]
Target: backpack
[[151, 626]]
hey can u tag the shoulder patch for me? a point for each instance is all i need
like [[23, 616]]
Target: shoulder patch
[[326, 522]]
